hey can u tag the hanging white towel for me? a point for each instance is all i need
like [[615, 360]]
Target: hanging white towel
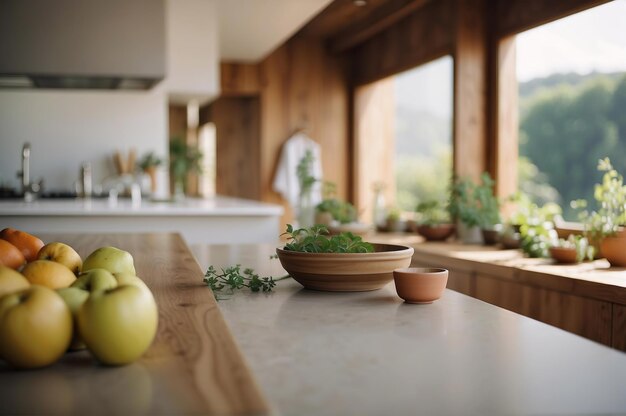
[[286, 180]]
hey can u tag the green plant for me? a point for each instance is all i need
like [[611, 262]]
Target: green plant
[[610, 195], [341, 211], [303, 172], [393, 213], [475, 204], [150, 160], [183, 159], [432, 212], [316, 240], [537, 233]]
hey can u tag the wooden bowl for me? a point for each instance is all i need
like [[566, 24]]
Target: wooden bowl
[[564, 255], [420, 285], [438, 232], [346, 272]]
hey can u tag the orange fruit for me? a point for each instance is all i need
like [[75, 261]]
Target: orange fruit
[[28, 244], [10, 256], [49, 274]]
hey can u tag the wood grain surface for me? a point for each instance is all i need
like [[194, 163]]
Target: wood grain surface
[[192, 367]]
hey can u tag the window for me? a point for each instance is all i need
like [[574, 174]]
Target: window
[[404, 137], [572, 103]]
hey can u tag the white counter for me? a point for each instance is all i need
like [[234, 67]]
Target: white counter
[[212, 220]]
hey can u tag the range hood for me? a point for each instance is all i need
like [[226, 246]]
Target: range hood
[[82, 44]]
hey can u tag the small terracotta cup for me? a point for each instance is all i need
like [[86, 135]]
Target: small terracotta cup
[[420, 285]]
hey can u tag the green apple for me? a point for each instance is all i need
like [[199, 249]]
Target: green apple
[[61, 253], [11, 281], [74, 297], [35, 327], [95, 279], [111, 258], [118, 325]]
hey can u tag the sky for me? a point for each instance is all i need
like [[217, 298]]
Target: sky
[[593, 40]]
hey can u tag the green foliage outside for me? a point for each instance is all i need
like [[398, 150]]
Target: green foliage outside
[[566, 126]]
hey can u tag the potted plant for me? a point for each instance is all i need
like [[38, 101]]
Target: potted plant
[[148, 164], [394, 221], [184, 159], [433, 221], [475, 207], [574, 249], [604, 227]]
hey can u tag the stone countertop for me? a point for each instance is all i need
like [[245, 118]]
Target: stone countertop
[[213, 206], [369, 353]]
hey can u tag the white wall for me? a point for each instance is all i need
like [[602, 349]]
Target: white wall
[[67, 128]]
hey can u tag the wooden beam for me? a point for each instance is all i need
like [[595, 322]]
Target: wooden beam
[[515, 16], [470, 89], [385, 16], [418, 38]]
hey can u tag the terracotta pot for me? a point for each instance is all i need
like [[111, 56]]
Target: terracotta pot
[[564, 255], [436, 232], [614, 250], [418, 285]]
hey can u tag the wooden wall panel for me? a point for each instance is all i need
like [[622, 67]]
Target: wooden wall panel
[[461, 282], [302, 86], [619, 327], [236, 122], [586, 317], [239, 79], [374, 144], [416, 39]]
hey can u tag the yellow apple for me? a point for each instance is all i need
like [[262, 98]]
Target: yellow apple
[[74, 297], [48, 273], [35, 327], [11, 281], [61, 253], [111, 258], [95, 279], [130, 279], [118, 325]]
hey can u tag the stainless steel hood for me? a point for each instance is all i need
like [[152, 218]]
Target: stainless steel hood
[[82, 44]]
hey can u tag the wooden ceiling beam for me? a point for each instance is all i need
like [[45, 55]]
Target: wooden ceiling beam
[[383, 17]]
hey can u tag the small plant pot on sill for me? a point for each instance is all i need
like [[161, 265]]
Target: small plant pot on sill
[[469, 235], [614, 250], [436, 232], [564, 255], [491, 236]]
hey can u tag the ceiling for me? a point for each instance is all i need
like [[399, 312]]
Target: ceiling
[[250, 29]]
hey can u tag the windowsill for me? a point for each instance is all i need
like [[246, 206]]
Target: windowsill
[[594, 280]]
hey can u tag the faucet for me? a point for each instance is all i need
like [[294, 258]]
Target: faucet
[[29, 190]]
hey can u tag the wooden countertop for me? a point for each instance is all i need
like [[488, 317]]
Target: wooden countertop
[[193, 367], [368, 353]]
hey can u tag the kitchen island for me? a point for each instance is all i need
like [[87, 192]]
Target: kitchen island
[[369, 353], [216, 219]]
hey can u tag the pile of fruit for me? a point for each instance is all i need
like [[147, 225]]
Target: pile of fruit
[[51, 302]]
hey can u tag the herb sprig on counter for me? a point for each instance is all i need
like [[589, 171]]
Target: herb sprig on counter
[[316, 240], [233, 278]]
